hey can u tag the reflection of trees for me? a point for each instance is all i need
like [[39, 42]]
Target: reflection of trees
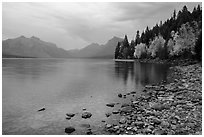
[[122, 70], [141, 73]]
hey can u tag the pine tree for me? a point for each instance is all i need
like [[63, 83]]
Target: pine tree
[[137, 39]]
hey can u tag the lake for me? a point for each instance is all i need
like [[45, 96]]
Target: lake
[[67, 86]]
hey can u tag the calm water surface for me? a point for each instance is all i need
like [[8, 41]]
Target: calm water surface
[[67, 85]]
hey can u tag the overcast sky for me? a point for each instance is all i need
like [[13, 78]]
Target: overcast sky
[[75, 25]]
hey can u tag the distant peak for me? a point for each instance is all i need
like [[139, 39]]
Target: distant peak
[[33, 37]]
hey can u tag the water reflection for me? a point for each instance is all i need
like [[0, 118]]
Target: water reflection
[[141, 73], [32, 68]]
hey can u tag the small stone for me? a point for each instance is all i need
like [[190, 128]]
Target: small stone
[[103, 121], [120, 95], [129, 128], [156, 121], [115, 112], [68, 118], [133, 92], [127, 109], [116, 127], [135, 129], [42, 109], [108, 126], [86, 115], [124, 105], [165, 124], [69, 130], [135, 102], [89, 132], [70, 114], [139, 124], [122, 120], [110, 104], [84, 109]]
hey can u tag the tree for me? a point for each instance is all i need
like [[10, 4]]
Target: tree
[[156, 47], [198, 47], [117, 50], [137, 39], [140, 51], [174, 15], [185, 41], [125, 41], [132, 49]]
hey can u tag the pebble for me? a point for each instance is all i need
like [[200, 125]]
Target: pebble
[[86, 115], [69, 130], [110, 104]]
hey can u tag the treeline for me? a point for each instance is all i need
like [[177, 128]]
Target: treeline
[[179, 36]]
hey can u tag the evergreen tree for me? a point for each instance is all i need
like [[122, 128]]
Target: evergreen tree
[[117, 50], [198, 47], [137, 39]]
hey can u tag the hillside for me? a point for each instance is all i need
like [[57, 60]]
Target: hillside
[[95, 50], [31, 47]]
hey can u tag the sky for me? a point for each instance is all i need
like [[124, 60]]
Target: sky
[[76, 25]]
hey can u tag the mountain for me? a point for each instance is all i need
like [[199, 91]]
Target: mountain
[[95, 50], [31, 47]]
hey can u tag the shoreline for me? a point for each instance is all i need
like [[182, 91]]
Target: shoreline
[[173, 108]]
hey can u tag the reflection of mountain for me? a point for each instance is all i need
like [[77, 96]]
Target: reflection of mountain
[[141, 73], [32, 68]]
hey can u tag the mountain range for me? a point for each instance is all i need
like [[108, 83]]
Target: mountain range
[[34, 47]]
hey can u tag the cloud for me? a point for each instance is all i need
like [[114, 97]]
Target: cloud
[[75, 25]]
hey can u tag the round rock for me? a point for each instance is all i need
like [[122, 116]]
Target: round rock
[[69, 130]]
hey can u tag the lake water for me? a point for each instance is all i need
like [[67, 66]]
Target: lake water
[[67, 85]]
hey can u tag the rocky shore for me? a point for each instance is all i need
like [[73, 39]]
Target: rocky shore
[[180, 62], [173, 108]]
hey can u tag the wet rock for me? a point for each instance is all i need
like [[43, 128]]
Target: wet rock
[[110, 104], [124, 105], [135, 102], [160, 132], [108, 126], [70, 114], [127, 109], [42, 109], [89, 132], [68, 118], [116, 128], [120, 95], [122, 120], [115, 112], [156, 121], [69, 130], [86, 115], [165, 124], [160, 107], [139, 124]]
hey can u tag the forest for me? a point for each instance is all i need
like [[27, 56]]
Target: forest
[[180, 36]]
